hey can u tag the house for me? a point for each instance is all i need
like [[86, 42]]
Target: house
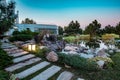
[[34, 28]]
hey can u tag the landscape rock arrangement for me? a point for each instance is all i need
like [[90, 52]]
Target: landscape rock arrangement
[[50, 41], [100, 54]]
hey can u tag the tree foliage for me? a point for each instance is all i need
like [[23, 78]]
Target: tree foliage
[[60, 30], [28, 21], [118, 29], [7, 16], [73, 28], [109, 29], [93, 29]]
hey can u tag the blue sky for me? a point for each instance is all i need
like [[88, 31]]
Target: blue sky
[[61, 12]]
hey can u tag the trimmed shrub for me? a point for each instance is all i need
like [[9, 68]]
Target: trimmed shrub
[[42, 52], [15, 33], [59, 37], [77, 62], [116, 60], [70, 39], [93, 44], [108, 61]]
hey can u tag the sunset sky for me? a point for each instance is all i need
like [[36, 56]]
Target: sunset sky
[[61, 12]]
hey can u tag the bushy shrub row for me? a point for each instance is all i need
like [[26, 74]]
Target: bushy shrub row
[[4, 75], [5, 60], [26, 32], [20, 37], [77, 62]]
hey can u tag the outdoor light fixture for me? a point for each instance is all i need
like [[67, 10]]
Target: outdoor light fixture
[[31, 47]]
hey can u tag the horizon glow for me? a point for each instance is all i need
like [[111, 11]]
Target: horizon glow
[[62, 12]]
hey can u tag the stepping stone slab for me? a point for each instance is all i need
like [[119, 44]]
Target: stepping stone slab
[[22, 64], [80, 79], [18, 54], [32, 70], [47, 73], [65, 76], [19, 59], [15, 51], [6, 47]]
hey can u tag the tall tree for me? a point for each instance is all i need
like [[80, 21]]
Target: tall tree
[[73, 28], [109, 29], [7, 17], [60, 29], [93, 29], [118, 29], [28, 21]]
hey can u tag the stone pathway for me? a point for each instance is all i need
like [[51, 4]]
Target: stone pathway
[[19, 54], [32, 70], [47, 73], [19, 59], [23, 58], [22, 64], [65, 76]]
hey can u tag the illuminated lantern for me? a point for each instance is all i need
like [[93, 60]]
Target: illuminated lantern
[[31, 47]]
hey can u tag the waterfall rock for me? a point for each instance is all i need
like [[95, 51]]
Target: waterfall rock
[[102, 53], [100, 63]]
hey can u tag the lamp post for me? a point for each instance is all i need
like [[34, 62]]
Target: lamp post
[[31, 47]]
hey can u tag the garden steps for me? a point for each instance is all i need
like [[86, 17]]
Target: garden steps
[[7, 45], [22, 64], [47, 73], [18, 54], [65, 76], [7, 49], [32, 70], [23, 58]]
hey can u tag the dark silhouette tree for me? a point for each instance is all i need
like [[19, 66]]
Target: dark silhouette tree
[[93, 29], [28, 21], [118, 29], [7, 17], [60, 29], [109, 29], [73, 28]]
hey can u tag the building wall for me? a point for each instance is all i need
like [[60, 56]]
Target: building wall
[[38, 27], [34, 28]]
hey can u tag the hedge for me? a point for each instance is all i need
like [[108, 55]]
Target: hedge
[[77, 62], [20, 37]]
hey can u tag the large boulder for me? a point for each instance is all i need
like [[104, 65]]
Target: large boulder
[[52, 56]]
